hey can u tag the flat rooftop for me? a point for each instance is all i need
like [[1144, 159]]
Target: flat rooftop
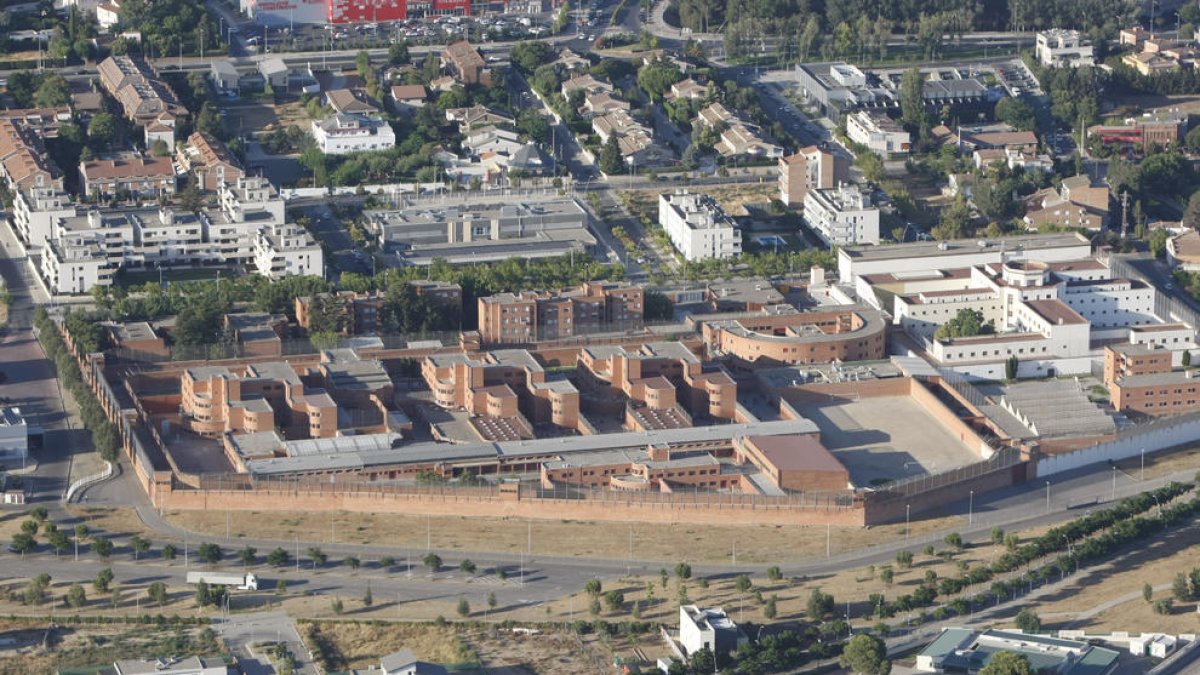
[[920, 249]]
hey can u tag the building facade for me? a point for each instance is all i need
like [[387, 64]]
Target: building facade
[[698, 227], [842, 216]]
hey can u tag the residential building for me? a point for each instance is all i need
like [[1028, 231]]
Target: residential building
[[958, 650], [634, 139], [998, 137], [689, 88], [492, 139], [842, 215], [285, 250], [24, 162], [742, 139], [1058, 47], [406, 98], [275, 73], [602, 103], [810, 168], [352, 102], [108, 14], [476, 116], [1077, 203], [14, 435], [35, 212], [362, 310], [209, 161], [342, 134], [529, 316], [1183, 251], [224, 77], [404, 662], [586, 83], [146, 99], [1150, 64], [1134, 36], [708, 627], [698, 227], [769, 339], [878, 132], [465, 62], [143, 177]]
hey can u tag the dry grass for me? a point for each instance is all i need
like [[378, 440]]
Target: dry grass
[[361, 645], [732, 198], [1161, 464], [696, 543]]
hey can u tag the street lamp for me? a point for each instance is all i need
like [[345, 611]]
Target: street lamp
[[907, 512], [1142, 475], [1047, 496], [971, 509]]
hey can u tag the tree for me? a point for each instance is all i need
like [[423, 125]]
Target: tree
[[22, 542], [967, 323], [1191, 214], [611, 161], [1011, 366], [1186, 359], [1147, 592], [54, 92], [281, 587], [158, 593], [593, 587], [59, 541], [317, 557], [139, 545], [655, 78], [103, 580], [954, 540], [337, 606], [102, 546], [1028, 621], [209, 553], [904, 559], [1016, 113], [352, 562], [866, 654], [528, 55], [30, 527], [1007, 663], [433, 561], [467, 566], [491, 600], [819, 604], [169, 551], [368, 599], [703, 661], [912, 99], [683, 570], [464, 608], [886, 575], [398, 53], [773, 573], [76, 596], [955, 219], [997, 536], [614, 600], [39, 514], [247, 555], [278, 557], [743, 583], [771, 608], [387, 561]]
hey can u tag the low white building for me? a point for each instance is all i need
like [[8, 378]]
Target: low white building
[[343, 133], [701, 627], [878, 132], [14, 435], [1059, 48], [842, 215], [698, 227], [287, 250]]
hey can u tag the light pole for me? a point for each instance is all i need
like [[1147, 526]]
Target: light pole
[[1142, 475], [1047, 496], [971, 509], [1114, 484], [907, 513]]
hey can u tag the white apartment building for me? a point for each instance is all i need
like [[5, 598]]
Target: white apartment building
[[698, 227], [75, 263], [1060, 48], [344, 133], [35, 212], [286, 250], [878, 132], [842, 215]]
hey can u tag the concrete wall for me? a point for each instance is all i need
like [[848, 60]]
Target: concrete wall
[[613, 506], [1152, 438]]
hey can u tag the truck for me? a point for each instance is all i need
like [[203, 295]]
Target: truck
[[242, 581]]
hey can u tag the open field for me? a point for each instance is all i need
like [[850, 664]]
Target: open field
[[886, 438], [732, 198], [708, 543], [95, 645]]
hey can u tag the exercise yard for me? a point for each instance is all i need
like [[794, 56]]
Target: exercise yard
[[886, 438]]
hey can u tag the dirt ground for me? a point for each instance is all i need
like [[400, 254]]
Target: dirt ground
[[80, 646], [704, 543], [733, 199], [496, 649]]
